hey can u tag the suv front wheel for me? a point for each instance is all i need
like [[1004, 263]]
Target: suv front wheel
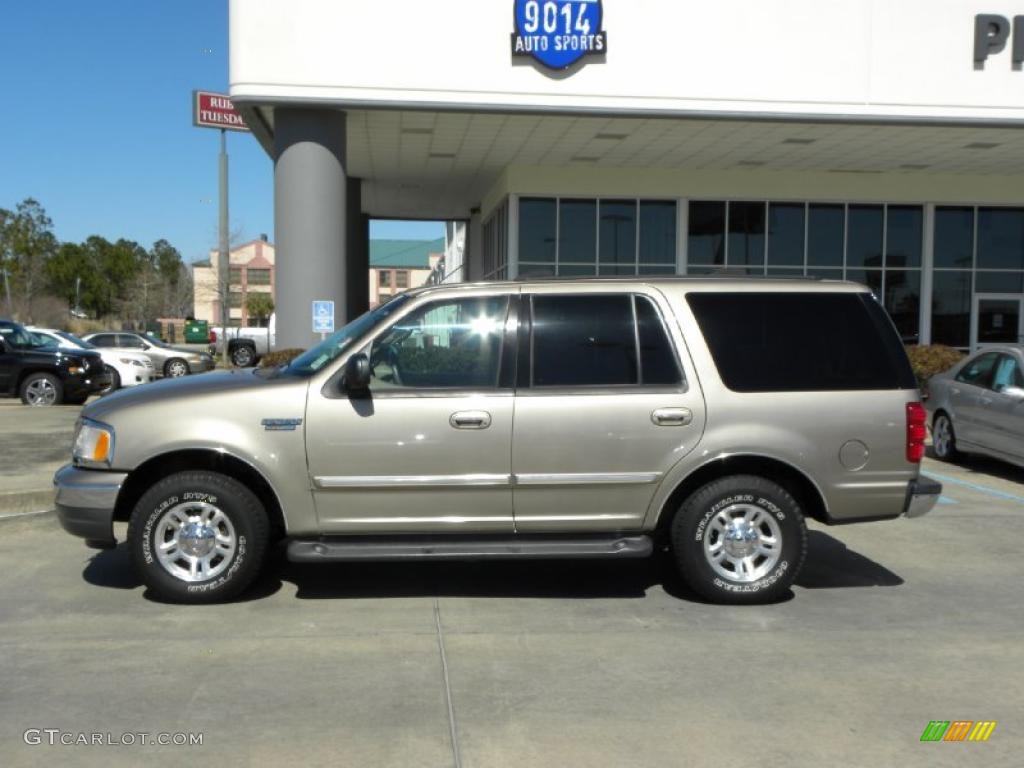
[[740, 539], [198, 537]]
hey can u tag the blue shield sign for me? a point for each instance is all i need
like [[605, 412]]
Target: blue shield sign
[[323, 317], [558, 33]]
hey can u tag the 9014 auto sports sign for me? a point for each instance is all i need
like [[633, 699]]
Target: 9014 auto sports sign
[[559, 33]]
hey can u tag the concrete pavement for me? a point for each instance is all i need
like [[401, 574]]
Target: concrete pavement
[[891, 625]]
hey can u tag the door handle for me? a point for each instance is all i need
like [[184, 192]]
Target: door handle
[[470, 420], [672, 417]]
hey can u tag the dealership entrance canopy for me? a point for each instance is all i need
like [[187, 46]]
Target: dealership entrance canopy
[[876, 142]]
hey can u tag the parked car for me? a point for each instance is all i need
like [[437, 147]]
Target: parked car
[[246, 345], [127, 369], [47, 375], [169, 361], [598, 418], [978, 406]]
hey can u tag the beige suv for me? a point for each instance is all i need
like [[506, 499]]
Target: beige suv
[[596, 418]]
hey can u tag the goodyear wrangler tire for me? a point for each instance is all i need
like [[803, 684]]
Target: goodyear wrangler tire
[[198, 537], [739, 539]]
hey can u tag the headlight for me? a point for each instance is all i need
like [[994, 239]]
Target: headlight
[[94, 444], [129, 361]]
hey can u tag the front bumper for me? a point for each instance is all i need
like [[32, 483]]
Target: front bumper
[[922, 495], [85, 503], [81, 385]]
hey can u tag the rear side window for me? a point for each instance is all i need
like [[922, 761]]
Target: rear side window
[[600, 340], [104, 340], [801, 342]]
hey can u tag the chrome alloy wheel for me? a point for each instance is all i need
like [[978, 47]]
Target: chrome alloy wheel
[[194, 541], [942, 436], [41, 392], [176, 369], [743, 542]]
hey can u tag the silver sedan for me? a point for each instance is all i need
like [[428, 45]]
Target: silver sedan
[[978, 406]]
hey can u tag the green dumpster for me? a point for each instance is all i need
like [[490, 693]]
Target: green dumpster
[[197, 332]]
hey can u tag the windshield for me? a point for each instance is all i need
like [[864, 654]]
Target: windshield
[[70, 337], [16, 336], [333, 346]]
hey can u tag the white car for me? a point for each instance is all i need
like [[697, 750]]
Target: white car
[[128, 369]]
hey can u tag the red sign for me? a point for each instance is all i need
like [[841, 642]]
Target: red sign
[[215, 110]]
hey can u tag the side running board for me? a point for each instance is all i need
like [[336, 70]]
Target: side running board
[[356, 548]]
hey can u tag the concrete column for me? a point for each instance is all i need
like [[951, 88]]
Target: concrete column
[[310, 220]]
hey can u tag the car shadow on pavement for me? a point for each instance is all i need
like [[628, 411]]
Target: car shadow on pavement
[[981, 465], [831, 564]]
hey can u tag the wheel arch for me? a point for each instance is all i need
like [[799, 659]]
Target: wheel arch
[[26, 372], [154, 469], [800, 486]]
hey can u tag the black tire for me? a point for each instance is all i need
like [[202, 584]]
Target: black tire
[[115, 382], [176, 368], [182, 494], [697, 528], [41, 389], [243, 356], [944, 446]]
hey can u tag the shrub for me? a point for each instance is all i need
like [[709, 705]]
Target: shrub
[[930, 360], [279, 357]]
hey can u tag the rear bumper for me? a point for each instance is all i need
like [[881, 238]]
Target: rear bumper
[[85, 503], [922, 495]]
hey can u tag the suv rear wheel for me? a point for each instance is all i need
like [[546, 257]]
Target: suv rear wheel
[[739, 539], [198, 537]]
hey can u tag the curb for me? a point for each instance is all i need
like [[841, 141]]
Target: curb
[[19, 502], [21, 517]]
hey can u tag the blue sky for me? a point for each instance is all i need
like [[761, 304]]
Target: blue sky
[[96, 123]]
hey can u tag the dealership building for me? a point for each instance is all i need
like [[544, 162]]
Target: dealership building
[[881, 142]]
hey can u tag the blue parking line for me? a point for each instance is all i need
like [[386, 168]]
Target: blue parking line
[[976, 487], [947, 500]]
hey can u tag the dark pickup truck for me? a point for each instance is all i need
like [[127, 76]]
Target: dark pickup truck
[[46, 375]]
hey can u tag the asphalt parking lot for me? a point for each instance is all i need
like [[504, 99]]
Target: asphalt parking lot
[[891, 625]]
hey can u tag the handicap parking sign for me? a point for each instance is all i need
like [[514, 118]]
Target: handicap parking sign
[[323, 317]]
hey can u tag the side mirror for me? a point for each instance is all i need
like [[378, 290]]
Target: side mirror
[[1017, 393], [356, 377]]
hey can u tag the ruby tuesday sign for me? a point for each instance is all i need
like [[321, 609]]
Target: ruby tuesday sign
[[215, 110], [558, 33]]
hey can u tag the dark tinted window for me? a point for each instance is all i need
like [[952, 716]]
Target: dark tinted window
[[864, 236], [658, 364], [537, 230], [658, 233], [706, 239], [577, 232], [979, 370], [104, 340], [583, 340], [903, 233], [785, 234], [825, 229], [787, 342], [746, 234], [954, 237], [618, 238], [1000, 238]]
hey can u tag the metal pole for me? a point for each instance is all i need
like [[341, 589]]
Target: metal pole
[[223, 264], [78, 294]]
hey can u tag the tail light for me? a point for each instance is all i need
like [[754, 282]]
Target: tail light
[[213, 337], [916, 419]]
